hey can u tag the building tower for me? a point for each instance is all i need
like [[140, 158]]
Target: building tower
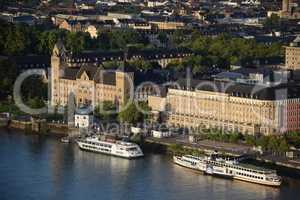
[[287, 5], [57, 57], [124, 86], [124, 81]]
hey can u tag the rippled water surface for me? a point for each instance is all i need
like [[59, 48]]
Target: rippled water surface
[[33, 167]]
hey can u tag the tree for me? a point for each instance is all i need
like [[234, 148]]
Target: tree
[[263, 141], [225, 50], [133, 114], [272, 22], [106, 110], [177, 38], [15, 42], [75, 42], [120, 39], [103, 40], [8, 75], [293, 138], [34, 92], [176, 148], [111, 65], [36, 103], [250, 140], [283, 146], [163, 38], [273, 144], [235, 137], [130, 114]]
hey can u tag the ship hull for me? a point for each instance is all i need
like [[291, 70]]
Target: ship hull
[[80, 145], [222, 172], [266, 183], [182, 163]]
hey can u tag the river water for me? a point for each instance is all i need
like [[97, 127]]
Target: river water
[[35, 167]]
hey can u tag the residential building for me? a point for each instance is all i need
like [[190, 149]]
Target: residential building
[[72, 25], [292, 55], [168, 25]]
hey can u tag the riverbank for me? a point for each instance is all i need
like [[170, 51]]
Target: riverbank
[[158, 145], [205, 147], [166, 144], [37, 126], [155, 146]]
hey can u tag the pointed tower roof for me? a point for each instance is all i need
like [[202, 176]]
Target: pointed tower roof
[[59, 48]]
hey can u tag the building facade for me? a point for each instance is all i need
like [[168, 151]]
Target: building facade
[[269, 111], [88, 83], [83, 118], [72, 25], [292, 55]]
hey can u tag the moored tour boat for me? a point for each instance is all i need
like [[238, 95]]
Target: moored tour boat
[[187, 161], [229, 169], [111, 147]]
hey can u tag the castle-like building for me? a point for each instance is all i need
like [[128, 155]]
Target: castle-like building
[[89, 83]]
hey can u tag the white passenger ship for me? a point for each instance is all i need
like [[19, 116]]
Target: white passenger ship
[[230, 169], [111, 147], [189, 161]]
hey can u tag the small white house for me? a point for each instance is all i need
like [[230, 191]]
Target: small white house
[[84, 118], [161, 134]]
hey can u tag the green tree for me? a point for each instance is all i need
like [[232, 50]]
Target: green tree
[[133, 114], [103, 39], [120, 39], [35, 103], [15, 42], [8, 75], [176, 148], [177, 38], [250, 140], [34, 88], [273, 144], [235, 137], [283, 146], [75, 42], [162, 37], [263, 141], [106, 110], [273, 22]]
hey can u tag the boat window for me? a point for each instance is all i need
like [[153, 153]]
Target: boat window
[[132, 149]]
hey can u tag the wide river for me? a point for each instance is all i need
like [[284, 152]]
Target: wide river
[[42, 168]]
